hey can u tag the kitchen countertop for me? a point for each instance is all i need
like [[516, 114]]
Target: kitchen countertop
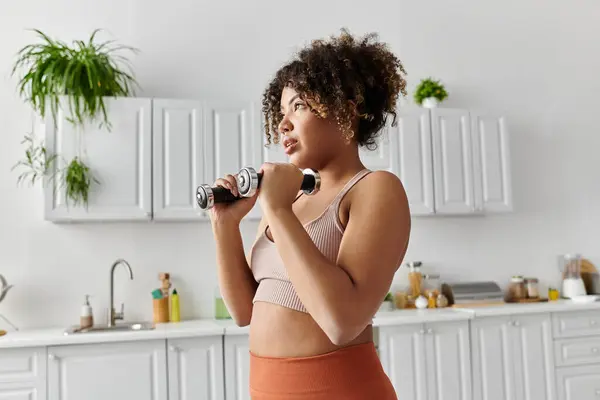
[[212, 327]]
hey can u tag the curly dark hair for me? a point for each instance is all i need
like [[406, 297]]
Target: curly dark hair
[[342, 78]]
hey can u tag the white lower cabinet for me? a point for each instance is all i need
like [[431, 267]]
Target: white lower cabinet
[[428, 361], [536, 356], [23, 373], [578, 383], [513, 358], [196, 368], [101, 371], [237, 367]]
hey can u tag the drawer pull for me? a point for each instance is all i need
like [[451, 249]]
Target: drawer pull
[[594, 349], [592, 322]]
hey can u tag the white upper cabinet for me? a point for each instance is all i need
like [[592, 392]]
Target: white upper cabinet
[[180, 158], [414, 164], [120, 159], [452, 161], [232, 137], [491, 162]]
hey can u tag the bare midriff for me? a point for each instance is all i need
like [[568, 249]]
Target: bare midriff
[[276, 331]]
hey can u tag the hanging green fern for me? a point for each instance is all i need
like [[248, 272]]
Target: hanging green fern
[[85, 72]]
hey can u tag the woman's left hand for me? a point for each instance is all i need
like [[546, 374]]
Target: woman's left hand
[[279, 186]]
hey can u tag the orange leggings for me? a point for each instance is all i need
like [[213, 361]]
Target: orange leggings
[[350, 373]]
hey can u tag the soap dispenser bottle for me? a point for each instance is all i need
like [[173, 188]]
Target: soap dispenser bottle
[[87, 316]]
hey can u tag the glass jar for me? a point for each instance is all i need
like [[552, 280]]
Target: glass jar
[[431, 285], [531, 284], [516, 290], [415, 278]]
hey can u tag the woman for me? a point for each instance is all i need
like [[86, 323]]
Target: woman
[[322, 264]]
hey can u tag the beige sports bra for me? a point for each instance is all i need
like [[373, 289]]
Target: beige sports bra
[[326, 231]]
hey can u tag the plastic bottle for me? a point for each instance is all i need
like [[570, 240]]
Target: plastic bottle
[[86, 319], [175, 315]]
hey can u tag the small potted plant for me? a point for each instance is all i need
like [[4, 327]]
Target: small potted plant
[[388, 303], [429, 93]]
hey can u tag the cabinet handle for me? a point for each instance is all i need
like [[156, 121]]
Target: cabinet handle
[[592, 322], [598, 392], [429, 330], [594, 350], [516, 323], [52, 357], [173, 348]]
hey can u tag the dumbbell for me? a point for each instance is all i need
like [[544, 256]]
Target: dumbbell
[[248, 182]]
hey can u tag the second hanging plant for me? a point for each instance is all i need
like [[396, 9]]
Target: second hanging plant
[[84, 74]]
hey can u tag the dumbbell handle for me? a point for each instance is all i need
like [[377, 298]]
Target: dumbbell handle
[[249, 180]]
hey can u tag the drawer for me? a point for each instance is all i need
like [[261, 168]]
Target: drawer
[[22, 364], [578, 383], [577, 351], [574, 324]]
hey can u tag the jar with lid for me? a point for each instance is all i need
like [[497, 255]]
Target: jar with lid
[[516, 289], [531, 284], [431, 285], [415, 278]]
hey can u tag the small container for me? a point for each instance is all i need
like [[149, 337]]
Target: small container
[[531, 284], [431, 284], [221, 311], [415, 278], [160, 309], [400, 300], [175, 312], [86, 319], [516, 289], [431, 300], [553, 294]]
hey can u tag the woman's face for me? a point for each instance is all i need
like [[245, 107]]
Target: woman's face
[[308, 140]]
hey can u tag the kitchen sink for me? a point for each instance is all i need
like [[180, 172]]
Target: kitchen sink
[[119, 327]]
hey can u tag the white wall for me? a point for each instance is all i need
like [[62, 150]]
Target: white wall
[[536, 62]]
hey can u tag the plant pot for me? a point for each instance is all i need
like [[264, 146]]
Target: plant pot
[[430, 102]]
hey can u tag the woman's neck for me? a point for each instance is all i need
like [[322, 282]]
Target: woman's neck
[[340, 170]]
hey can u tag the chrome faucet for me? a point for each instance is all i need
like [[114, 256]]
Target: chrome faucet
[[112, 315]]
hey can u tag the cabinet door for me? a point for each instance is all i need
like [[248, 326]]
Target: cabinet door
[[491, 162], [452, 161], [448, 360], [531, 337], [120, 159], [231, 136], [493, 360], [403, 357], [196, 368], [179, 158], [115, 371], [412, 158], [23, 373], [578, 383], [237, 367]]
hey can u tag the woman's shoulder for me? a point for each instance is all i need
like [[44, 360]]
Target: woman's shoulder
[[381, 183]]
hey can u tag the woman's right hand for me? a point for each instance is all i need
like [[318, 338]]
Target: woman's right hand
[[235, 211]]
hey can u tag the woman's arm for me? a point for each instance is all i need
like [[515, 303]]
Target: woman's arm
[[342, 297], [235, 277]]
